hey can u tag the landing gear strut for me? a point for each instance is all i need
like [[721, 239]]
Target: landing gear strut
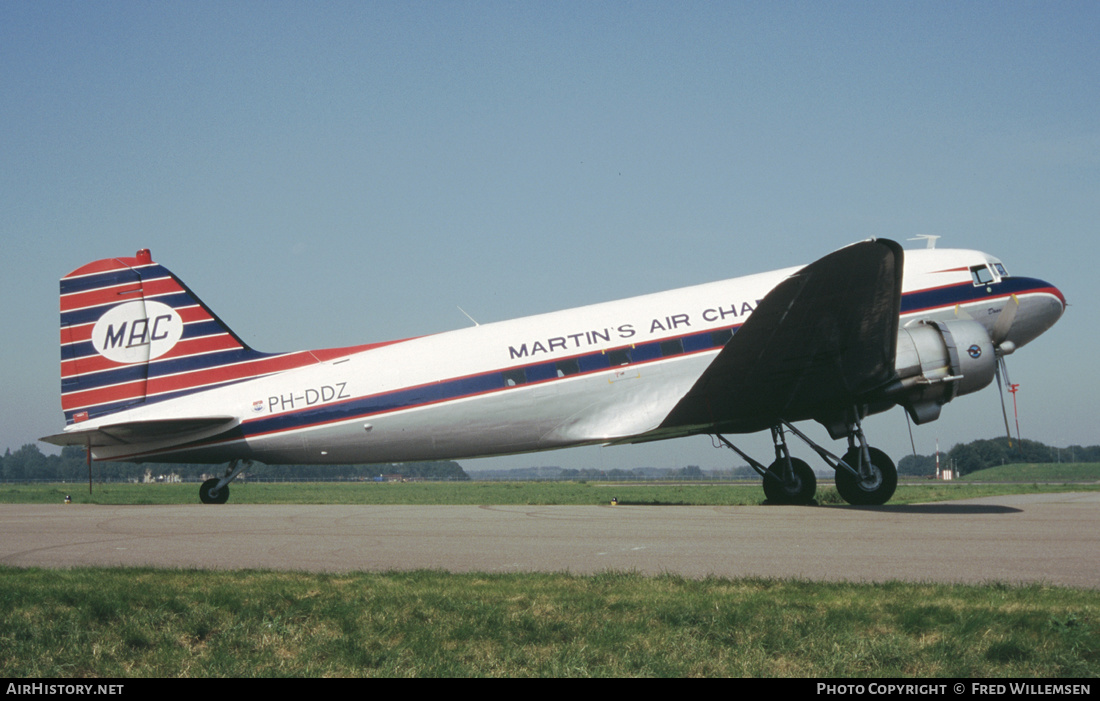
[[865, 476], [797, 487], [216, 491], [874, 480], [787, 480]]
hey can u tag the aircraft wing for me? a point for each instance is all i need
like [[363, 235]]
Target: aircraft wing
[[819, 342], [168, 431]]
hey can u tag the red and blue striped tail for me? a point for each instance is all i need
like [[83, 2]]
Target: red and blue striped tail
[[133, 333]]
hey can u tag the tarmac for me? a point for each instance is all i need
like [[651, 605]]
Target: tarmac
[[1048, 538]]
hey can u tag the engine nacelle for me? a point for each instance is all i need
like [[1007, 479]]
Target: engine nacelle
[[940, 360]]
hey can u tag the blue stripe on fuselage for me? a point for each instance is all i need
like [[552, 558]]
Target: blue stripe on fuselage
[[967, 293]]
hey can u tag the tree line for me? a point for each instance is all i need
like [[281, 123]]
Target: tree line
[[29, 463], [991, 452]]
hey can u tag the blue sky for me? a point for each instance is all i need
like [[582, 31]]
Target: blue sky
[[324, 175]]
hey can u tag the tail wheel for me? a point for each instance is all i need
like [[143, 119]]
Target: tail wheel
[[873, 490], [207, 494], [800, 490]]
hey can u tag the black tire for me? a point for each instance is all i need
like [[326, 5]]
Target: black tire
[[207, 487], [801, 491], [871, 492]]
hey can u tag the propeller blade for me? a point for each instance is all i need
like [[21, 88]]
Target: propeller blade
[[1001, 391], [1003, 325]]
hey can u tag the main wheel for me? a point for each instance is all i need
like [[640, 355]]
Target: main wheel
[[874, 490], [207, 494], [800, 490]]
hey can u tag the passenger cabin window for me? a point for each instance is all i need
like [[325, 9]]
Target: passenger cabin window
[[620, 356], [567, 367], [672, 347]]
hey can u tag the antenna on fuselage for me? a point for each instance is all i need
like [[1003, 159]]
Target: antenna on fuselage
[[468, 316], [929, 239]]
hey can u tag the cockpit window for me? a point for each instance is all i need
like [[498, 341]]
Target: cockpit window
[[982, 275], [1000, 270]]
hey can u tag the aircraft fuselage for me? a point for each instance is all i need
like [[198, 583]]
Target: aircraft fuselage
[[596, 374]]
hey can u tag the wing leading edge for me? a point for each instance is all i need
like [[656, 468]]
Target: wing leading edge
[[823, 340]]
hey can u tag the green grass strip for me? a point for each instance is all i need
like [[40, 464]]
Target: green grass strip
[[166, 623], [488, 493]]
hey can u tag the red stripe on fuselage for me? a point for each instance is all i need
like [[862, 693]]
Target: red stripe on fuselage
[[229, 373]]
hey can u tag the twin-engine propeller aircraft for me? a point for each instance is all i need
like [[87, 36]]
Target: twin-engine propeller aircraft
[[149, 373]]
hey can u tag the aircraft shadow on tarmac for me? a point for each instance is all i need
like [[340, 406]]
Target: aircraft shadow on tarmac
[[930, 509], [938, 509]]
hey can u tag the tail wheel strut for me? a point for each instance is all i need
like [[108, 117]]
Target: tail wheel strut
[[216, 491]]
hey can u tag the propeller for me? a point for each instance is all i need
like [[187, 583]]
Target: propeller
[[1002, 368], [1003, 347], [1003, 325]]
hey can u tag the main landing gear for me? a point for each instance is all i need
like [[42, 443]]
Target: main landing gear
[[872, 483], [787, 480], [216, 491], [865, 476]]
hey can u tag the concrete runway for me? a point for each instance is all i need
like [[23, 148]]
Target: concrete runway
[[1053, 538]]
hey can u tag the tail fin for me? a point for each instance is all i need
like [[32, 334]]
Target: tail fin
[[132, 332]]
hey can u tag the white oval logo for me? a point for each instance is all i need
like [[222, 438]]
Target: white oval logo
[[137, 331]]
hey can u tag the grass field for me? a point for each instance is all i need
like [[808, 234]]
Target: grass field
[[155, 623], [1038, 472], [477, 493]]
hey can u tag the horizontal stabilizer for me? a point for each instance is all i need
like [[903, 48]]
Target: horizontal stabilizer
[[174, 431]]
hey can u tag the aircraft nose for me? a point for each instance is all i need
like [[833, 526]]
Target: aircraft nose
[[1041, 305], [1055, 303]]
